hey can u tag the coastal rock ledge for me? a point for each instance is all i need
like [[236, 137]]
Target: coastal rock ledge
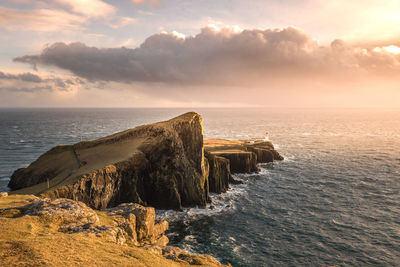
[[63, 232], [166, 165], [160, 165]]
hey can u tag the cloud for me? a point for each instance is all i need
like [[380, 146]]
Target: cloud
[[122, 22], [57, 15], [29, 82], [46, 20], [219, 56], [152, 3], [27, 77], [90, 8]]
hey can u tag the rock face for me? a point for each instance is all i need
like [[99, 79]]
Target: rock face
[[265, 151], [219, 173], [240, 161], [130, 221], [146, 228], [161, 165], [243, 155]]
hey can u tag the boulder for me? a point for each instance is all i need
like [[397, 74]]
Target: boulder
[[160, 164]]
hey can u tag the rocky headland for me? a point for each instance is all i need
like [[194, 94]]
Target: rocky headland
[[39, 231], [160, 165], [109, 187]]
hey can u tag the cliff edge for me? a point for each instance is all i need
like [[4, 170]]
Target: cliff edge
[[160, 165]]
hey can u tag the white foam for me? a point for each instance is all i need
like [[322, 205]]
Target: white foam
[[224, 202]]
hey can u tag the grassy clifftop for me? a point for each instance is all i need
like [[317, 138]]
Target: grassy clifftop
[[36, 241]]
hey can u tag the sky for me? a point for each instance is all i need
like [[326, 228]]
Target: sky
[[181, 53]]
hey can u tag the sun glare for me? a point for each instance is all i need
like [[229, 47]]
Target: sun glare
[[392, 49]]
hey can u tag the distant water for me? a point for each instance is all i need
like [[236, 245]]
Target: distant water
[[334, 200]]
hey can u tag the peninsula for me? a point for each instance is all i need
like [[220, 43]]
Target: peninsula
[[108, 188]]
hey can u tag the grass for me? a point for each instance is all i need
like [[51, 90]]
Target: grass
[[87, 159], [35, 241]]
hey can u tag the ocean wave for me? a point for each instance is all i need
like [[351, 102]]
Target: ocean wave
[[224, 202], [288, 158]]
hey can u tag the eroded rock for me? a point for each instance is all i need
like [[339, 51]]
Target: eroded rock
[[160, 164], [148, 230], [66, 210], [182, 256], [219, 173], [126, 222], [240, 161], [243, 155]]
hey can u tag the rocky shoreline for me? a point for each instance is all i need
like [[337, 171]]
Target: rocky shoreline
[[124, 176], [36, 231]]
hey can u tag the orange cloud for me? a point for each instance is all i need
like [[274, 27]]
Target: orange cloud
[[90, 8], [45, 20], [122, 22], [153, 3]]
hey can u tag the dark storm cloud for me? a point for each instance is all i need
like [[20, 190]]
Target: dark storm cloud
[[216, 56]]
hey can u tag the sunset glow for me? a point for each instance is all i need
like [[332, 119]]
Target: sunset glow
[[288, 51]]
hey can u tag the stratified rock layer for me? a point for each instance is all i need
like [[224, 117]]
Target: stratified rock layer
[[219, 173], [161, 165], [243, 155], [240, 161]]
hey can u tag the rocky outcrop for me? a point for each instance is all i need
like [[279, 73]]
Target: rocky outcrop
[[219, 173], [130, 221], [62, 232], [240, 161], [243, 155], [62, 209], [181, 256], [148, 230], [160, 165], [263, 155], [265, 151]]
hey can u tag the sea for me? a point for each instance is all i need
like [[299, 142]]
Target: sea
[[334, 200]]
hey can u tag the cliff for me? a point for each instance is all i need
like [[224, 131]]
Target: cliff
[[62, 232], [165, 165], [160, 165], [219, 173], [243, 155]]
